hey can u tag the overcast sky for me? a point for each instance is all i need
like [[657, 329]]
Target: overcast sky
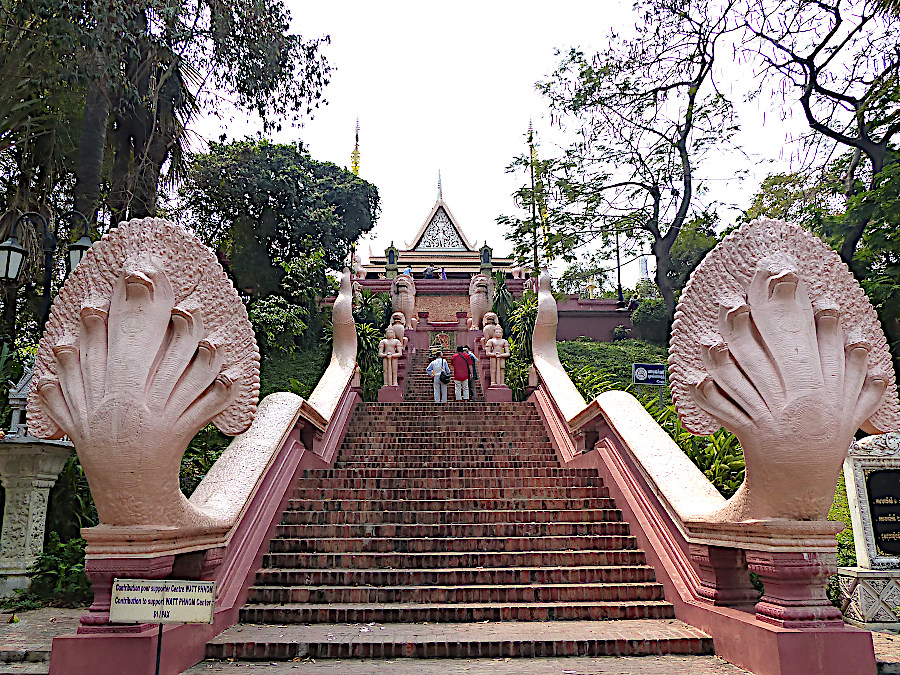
[[449, 87]]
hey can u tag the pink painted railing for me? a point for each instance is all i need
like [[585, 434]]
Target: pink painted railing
[[705, 572]]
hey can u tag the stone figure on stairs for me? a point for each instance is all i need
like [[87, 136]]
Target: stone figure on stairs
[[398, 321], [497, 348], [390, 349]]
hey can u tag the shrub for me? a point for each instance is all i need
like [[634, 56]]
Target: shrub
[[621, 332], [57, 577], [651, 321]]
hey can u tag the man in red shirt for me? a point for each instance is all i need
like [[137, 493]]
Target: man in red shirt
[[460, 366]]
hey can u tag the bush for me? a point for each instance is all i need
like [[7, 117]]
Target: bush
[[57, 577], [651, 321], [613, 359], [621, 332]]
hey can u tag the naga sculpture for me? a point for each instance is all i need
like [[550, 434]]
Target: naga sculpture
[[147, 343], [481, 299], [775, 341], [403, 298]]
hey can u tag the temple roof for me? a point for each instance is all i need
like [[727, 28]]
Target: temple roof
[[441, 232]]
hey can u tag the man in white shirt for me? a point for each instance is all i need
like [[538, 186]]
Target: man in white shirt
[[435, 368]]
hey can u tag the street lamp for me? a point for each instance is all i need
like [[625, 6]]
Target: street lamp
[[80, 247], [12, 255]]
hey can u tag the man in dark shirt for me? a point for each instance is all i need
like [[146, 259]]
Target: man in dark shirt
[[473, 370], [460, 366]]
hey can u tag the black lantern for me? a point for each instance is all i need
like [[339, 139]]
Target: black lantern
[[80, 247], [12, 255]]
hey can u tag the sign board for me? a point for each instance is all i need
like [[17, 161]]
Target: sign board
[[649, 373], [162, 601], [883, 492]]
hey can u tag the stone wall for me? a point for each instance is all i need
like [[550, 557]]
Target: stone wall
[[442, 307]]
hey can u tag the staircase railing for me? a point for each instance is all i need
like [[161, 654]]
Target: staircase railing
[[288, 435], [704, 567]]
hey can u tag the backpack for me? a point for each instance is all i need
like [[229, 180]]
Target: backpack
[[445, 377]]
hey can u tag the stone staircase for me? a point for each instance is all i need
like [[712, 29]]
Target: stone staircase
[[419, 386], [450, 531]]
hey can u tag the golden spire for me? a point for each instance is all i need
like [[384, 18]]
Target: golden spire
[[354, 156]]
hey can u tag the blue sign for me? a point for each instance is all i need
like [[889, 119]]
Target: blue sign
[[649, 373]]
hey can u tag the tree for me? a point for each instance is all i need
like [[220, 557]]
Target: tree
[[578, 276], [843, 61], [646, 111], [261, 205], [696, 238]]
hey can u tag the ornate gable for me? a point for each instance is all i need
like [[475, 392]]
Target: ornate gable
[[441, 232]]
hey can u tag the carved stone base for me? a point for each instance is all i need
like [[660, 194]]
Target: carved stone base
[[724, 577], [390, 394], [870, 598], [101, 573], [28, 469], [794, 589], [498, 393]]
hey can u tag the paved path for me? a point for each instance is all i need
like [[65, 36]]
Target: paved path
[[27, 645]]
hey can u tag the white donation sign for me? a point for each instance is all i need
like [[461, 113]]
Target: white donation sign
[[162, 601]]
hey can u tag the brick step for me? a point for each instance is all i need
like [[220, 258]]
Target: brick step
[[383, 473], [419, 494], [441, 463], [449, 517], [454, 595], [479, 640], [456, 613], [444, 559], [492, 503], [456, 577], [451, 530], [448, 483], [460, 544]]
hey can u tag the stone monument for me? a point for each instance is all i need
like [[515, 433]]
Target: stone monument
[[481, 299], [871, 591], [403, 298], [497, 349], [390, 349], [146, 344], [29, 467]]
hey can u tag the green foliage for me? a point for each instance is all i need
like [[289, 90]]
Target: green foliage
[[258, 202], [57, 577], [202, 452], [613, 359], [522, 317], [70, 506], [846, 549], [370, 367], [695, 239], [593, 270], [621, 332], [296, 371], [503, 302], [373, 309], [651, 321]]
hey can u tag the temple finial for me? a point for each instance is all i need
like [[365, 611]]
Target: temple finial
[[440, 192], [354, 156]]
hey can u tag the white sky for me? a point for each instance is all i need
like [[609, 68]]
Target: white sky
[[450, 87]]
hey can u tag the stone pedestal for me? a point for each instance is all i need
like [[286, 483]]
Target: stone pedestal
[[28, 469], [498, 393], [724, 578], [795, 583], [390, 394], [870, 598]]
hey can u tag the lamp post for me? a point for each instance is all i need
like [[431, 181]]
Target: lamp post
[[12, 254]]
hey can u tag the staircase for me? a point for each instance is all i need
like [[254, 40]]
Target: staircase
[[456, 515], [420, 384]]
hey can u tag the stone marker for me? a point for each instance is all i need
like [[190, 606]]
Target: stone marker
[[870, 592]]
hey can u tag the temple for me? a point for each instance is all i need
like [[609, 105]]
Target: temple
[[442, 243]]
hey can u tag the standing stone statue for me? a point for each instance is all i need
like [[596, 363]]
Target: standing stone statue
[[497, 349], [390, 349]]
